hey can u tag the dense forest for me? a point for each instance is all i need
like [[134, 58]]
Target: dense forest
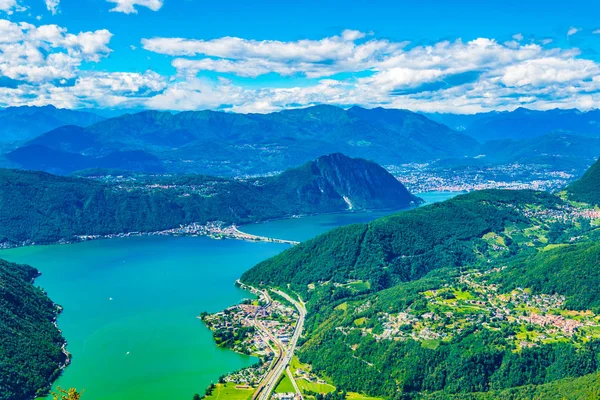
[[477, 361], [401, 247], [587, 188], [31, 353], [571, 270], [37, 207], [583, 388]]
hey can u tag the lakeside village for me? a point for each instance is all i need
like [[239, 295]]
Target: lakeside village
[[251, 328], [215, 230]]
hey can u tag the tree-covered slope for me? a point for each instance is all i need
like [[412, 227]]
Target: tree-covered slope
[[570, 270], [473, 298], [31, 345], [401, 247], [587, 188], [42, 208], [582, 388], [351, 183]]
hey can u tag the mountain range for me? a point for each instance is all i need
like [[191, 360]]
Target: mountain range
[[235, 144], [522, 123], [19, 124], [228, 144]]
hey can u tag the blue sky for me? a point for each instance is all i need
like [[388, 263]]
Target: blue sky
[[260, 56]]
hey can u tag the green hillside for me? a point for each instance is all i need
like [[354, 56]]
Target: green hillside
[[587, 188], [42, 208], [401, 247], [31, 351], [489, 295]]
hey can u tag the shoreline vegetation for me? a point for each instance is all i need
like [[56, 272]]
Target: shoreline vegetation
[[34, 351]]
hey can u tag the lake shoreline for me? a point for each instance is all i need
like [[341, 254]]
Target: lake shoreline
[[217, 230], [106, 271]]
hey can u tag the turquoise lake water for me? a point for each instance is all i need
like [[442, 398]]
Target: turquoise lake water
[[130, 305]]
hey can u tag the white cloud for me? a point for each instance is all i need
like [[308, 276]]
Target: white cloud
[[47, 52], [346, 69], [551, 70], [572, 30], [129, 6], [11, 6], [335, 48], [52, 6], [96, 89], [518, 36], [596, 32]]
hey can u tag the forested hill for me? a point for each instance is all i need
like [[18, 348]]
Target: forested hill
[[490, 295], [42, 208], [401, 247], [31, 351], [587, 188], [351, 183]]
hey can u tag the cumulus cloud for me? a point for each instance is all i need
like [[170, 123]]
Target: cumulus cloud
[[129, 6], [11, 6], [452, 76], [346, 69], [43, 53], [95, 89], [52, 6]]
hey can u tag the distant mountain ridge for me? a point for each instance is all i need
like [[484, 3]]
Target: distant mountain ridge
[[19, 124], [233, 144], [522, 123], [43, 208]]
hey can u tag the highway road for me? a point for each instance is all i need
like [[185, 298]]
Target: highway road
[[268, 384]]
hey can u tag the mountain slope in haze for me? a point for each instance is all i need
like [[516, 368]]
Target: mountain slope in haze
[[31, 355], [553, 148], [234, 144], [19, 124], [43, 208], [587, 188], [523, 123], [40, 158]]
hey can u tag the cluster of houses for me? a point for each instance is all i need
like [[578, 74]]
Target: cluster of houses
[[421, 178], [278, 318], [483, 306]]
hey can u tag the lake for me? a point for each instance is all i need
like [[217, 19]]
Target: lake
[[130, 305]]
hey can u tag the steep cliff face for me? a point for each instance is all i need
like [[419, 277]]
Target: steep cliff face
[[336, 182]]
